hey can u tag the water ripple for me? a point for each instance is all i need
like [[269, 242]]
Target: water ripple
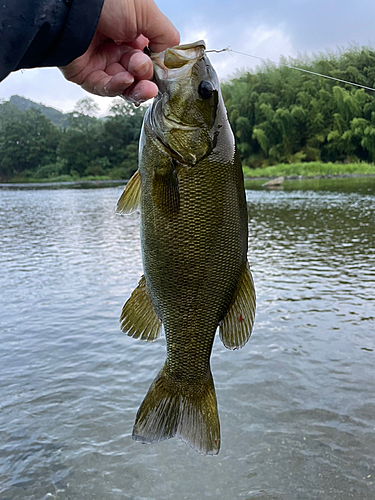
[[297, 403]]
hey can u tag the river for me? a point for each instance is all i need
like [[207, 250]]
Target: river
[[296, 404]]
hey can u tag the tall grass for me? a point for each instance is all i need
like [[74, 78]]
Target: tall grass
[[311, 170]]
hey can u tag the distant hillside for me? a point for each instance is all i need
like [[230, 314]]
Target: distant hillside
[[57, 117]]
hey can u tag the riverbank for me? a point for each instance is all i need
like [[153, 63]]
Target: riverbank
[[78, 184], [292, 172], [311, 170]]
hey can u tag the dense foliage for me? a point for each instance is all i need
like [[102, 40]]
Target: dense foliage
[[283, 115], [32, 147], [278, 114]]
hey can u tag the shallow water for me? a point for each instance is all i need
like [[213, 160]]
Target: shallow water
[[297, 403]]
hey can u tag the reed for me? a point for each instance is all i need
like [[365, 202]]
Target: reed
[[311, 169]]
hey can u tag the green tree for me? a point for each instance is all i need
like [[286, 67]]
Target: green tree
[[120, 134], [282, 115], [27, 141], [79, 147]]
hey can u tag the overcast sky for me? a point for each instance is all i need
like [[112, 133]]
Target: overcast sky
[[266, 28]]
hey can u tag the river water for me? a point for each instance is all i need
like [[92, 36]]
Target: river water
[[296, 404]]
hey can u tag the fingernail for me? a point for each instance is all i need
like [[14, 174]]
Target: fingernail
[[128, 79], [142, 69], [106, 90], [134, 98]]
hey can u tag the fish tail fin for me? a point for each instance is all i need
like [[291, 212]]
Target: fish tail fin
[[190, 413]]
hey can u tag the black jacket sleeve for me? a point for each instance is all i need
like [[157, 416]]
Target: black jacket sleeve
[[38, 33]]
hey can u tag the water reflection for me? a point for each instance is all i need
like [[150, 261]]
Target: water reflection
[[297, 404]]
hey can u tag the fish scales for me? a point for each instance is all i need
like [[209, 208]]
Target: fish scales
[[202, 240], [194, 247]]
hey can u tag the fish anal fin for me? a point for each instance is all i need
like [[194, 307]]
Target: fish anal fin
[[170, 409], [130, 198], [235, 329], [138, 318], [166, 192]]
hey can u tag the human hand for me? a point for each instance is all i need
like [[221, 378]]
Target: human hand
[[114, 63]]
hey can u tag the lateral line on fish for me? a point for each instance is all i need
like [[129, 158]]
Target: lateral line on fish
[[229, 49]]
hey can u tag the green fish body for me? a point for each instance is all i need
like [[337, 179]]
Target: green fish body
[[194, 247]]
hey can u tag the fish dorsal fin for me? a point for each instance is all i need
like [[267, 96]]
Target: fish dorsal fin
[[138, 318], [130, 198], [235, 329]]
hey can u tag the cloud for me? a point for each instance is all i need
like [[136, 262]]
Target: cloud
[[265, 42], [45, 85], [260, 40], [48, 86], [266, 29]]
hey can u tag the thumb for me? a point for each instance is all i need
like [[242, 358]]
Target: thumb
[[155, 26], [125, 20]]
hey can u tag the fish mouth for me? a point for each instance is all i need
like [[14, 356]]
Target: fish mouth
[[176, 62], [174, 72]]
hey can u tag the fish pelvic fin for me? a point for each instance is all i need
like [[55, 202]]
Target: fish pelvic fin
[[189, 413], [139, 318], [130, 198], [235, 329]]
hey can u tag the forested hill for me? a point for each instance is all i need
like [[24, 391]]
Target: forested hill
[[57, 117], [281, 115]]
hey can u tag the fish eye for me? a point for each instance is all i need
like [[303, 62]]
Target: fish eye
[[205, 89]]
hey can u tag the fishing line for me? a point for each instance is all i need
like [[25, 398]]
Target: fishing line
[[228, 49]]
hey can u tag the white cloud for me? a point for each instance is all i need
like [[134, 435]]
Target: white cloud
[[48, 86], [265, 42], [267, 29], [193, 33]]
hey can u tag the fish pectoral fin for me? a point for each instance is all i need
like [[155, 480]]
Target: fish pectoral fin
[[130, 198], [235, 329], [138, 318], [171, 409], [166, 192]]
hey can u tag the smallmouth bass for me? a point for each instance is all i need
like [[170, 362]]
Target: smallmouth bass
[[190, 190]]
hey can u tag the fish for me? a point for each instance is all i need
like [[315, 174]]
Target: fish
[[189, 188]]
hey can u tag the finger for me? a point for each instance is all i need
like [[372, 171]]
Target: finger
[[118, 84], [138, 64], [101, 83], [159, 30], [139, 43], [140, 92], [114, 68]]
